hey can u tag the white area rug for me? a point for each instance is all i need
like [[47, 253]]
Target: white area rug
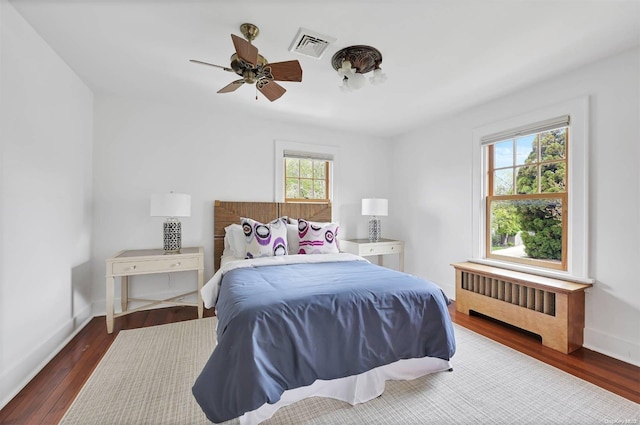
[[147, 374]]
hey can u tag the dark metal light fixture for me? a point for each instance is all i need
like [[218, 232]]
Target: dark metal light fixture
[[354, 61]]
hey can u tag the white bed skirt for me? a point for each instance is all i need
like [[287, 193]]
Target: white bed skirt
[[351, 389]]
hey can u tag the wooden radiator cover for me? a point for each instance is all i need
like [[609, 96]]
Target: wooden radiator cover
[[551, 308]]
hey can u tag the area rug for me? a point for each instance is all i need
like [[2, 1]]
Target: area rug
[[146, 377]]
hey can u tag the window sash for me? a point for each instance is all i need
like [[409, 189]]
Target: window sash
[[488, 144], [562, 265], [287, 154], [538, 164]]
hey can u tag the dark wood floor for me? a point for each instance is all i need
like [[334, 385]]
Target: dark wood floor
[[45, 399]]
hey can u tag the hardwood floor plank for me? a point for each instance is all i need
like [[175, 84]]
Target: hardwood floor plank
[[45, 399]]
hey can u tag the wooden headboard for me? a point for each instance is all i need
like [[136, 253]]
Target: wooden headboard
[[226, 213]]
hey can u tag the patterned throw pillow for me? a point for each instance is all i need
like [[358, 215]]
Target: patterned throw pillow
[[265, 240], [316, 238]]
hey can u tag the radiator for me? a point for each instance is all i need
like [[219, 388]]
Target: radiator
[[521, 295], [551, 308]]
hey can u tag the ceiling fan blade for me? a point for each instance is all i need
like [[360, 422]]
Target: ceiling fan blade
[[211, 64], [245, 50], [231, 87], [286, 71], [270, 89]]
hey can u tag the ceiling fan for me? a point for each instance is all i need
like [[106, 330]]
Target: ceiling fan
[[254, 68]]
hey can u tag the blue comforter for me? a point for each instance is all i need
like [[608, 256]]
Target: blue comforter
[[282, 327]]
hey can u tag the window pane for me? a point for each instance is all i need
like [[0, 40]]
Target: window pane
[[503, 182], [505, 225], [526, 151], [306, 189], [291, 188], [503, 154], [527, 179], [291, 165], [319, 190], [318, 169], [553, 177], [528, 228], [553, 144], [306, 168]]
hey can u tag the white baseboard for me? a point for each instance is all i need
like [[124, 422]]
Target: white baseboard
[[16, 377], [626, 351]]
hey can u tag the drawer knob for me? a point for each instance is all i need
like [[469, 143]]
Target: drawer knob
[[392, 248], [370, 249], [175, 265], [132, 267]]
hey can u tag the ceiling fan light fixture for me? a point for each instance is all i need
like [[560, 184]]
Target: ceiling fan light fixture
[[346, 70], [357, 81], [378, 77], [354, 61], [345, 85]]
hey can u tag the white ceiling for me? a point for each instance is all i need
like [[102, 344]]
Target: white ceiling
[[439, 56]]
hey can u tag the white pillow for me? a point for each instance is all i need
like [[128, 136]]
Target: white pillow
[[317, 238], [234, 244], [264, 240], [292, 238]]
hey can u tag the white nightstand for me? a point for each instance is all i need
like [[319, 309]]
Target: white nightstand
[[149, 261], [364, 247]]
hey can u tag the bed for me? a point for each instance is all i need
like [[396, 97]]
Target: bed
[[295, 326]]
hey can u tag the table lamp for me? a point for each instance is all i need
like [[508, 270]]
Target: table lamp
[[375, 207], [171, 205]]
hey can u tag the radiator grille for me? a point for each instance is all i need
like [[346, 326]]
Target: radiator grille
[[510, 292]]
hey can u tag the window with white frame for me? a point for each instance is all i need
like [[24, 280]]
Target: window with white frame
[[530, 189]]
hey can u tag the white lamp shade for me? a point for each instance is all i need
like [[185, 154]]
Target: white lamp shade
[[375, 206], [171, 205]]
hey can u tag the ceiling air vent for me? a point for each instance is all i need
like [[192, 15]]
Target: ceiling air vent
[[310, 43]]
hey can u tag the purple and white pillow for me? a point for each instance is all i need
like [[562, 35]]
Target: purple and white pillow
[[264, 240], [317, 238]]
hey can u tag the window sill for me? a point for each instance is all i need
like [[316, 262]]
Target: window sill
[[532, 270]]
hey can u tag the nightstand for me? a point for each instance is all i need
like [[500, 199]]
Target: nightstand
[[150, 261], [364, 247]]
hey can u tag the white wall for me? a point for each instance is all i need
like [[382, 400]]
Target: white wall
[[45, 199], [143, 148], [432, 181]]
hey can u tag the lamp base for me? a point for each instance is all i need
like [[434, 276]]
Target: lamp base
[[375, 230], [172, 236]]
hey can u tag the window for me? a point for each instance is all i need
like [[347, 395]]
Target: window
[[530, 187], [304, 172], [526, 195], [306, 179]]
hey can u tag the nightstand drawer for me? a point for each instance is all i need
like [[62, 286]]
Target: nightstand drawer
[[365, 248], [147, 266], [380, 249]]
